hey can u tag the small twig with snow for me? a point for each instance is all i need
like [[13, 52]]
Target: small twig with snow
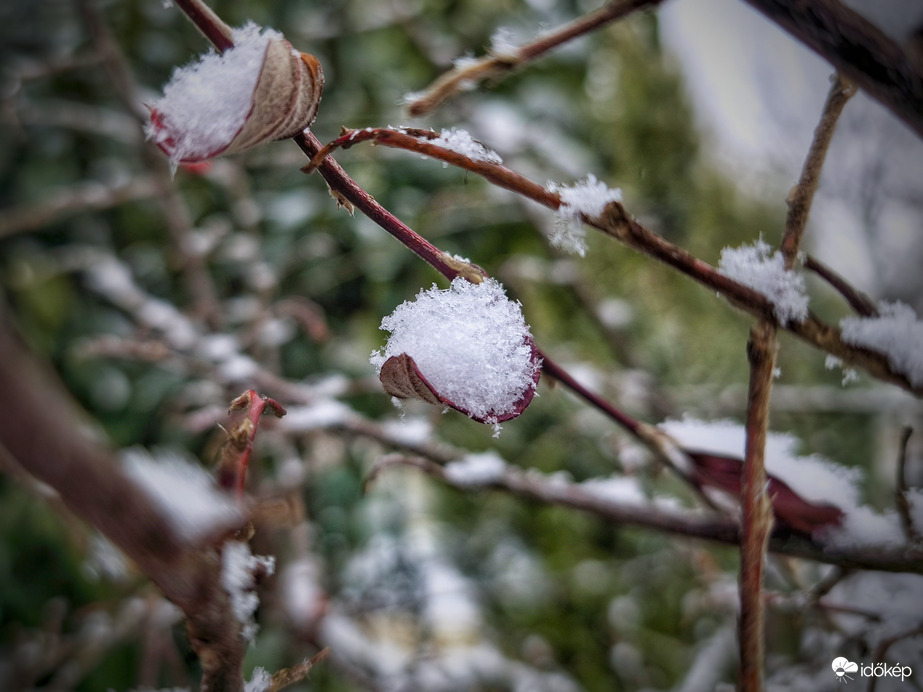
[[624, 507], [504, 57]]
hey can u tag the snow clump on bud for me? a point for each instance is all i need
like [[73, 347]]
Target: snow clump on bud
[[262, 89], [467, 347]]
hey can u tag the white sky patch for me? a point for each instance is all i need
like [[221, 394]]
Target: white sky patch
[[476, 469], [896, 332], [461, 142], [206, 102], [469, 342], [184, 492], [238, 566], [814, 478], [754, 266], [589, 196]]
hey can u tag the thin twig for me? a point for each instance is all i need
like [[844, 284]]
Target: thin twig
[[858, 301], [802, 195], [232, 469], [756, 510], [900, 490], [496, 64]]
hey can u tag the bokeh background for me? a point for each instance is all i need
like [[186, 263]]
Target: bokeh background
[[107, 260]]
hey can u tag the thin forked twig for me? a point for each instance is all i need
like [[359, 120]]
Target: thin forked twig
[[499, 63]]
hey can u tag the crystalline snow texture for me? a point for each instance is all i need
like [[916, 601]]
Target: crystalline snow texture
[[470, 342], [896, 332], [461, 142], [206, 102], [588, 197], [753, 266]]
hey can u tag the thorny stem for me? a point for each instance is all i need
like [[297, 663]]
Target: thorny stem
[[459, 79], [347, 189]]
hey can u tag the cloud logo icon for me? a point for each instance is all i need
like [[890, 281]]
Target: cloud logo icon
[[841, 666]]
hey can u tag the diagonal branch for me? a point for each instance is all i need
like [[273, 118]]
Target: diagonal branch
[[857, 49], [498, 63]]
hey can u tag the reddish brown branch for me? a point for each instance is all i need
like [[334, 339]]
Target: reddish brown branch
[[42, 431], [857, 300], [756, 510], [210, 24], [235, 456]]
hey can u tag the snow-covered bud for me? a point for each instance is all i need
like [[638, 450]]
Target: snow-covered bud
[[467, 347], [260, 90]]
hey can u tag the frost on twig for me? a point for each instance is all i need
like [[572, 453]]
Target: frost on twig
[[754, 266], [896, 332], [259, 90], [467, 347], [587, 198]]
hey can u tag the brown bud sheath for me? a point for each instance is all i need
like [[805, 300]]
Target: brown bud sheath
[[285, 99], [260, 90]]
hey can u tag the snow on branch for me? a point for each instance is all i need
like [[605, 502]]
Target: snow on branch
[[896, 332], [467, 347], [587, 198], [754, 266], [622, 501], [259, 90]]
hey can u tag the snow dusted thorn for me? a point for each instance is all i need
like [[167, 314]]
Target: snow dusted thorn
[[467, 347], [260, 90]]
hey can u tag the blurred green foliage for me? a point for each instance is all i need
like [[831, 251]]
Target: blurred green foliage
[[613, 105]]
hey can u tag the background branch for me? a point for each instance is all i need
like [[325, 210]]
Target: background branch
[[857, 49]]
